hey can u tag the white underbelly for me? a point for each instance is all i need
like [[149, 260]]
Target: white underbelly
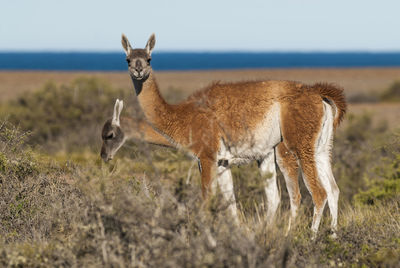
[[255, 144]]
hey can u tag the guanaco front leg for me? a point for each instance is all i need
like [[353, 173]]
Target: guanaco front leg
[[225, 183], [268, 170], [207, 171], [223, 179]]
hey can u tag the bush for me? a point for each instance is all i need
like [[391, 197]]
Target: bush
[[31, 192], [383, 184], [13, 162], [366, 161], [392, 93], [64, 116], [357, 150], [370, 97]]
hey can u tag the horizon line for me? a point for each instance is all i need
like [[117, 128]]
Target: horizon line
[[6, 51]]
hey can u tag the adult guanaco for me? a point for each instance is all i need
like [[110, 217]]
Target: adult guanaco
[[230, 123]]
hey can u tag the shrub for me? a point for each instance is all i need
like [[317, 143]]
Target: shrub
[[366, 161], [356, 151], [64, 115], [31, 191], [370, 97], [392, 93], [383, 184], [12, 161]]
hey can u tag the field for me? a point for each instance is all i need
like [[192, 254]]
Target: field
[[363, 84], [60, 205]]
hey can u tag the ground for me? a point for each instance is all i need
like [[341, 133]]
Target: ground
[[60, 205]]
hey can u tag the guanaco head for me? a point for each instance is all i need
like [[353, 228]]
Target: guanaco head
[[112, 134], [139, 59]]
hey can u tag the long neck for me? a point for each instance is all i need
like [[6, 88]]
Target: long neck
[[156, 110], [176, 121], [141, 130]]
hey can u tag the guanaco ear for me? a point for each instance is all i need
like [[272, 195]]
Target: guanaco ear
[[117, 112], [126, 45], [150, 44]]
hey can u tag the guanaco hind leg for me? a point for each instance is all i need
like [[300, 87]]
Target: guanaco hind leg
[[287, 163], [323, 160], [317, 171], [311, 144], [314, 186]]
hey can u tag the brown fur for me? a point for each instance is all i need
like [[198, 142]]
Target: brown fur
[[218, 112], [300, 138], [141, 130], [288, 162]]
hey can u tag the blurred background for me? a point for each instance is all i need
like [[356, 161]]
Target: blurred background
[[62, 67]]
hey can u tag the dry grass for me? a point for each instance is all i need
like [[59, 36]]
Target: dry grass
[[64, 207], [75, 211]]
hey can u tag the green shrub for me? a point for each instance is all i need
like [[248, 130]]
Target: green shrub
[[383, 185], [15, 160], [357, 149], [392, 93], [366, 161], [3, 162]]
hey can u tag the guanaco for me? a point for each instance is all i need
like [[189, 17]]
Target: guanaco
[[230, 123]]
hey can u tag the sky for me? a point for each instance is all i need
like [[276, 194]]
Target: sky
[[201, 25]]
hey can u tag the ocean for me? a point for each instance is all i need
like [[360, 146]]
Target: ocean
[[163, 61]]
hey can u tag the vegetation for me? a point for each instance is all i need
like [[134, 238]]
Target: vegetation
[[56, 114], [61, 206], [392, 93]]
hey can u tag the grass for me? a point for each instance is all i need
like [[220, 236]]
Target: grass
[[63, 207], [90, 215]]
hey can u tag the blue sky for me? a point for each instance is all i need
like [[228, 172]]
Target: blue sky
[[206, 25]]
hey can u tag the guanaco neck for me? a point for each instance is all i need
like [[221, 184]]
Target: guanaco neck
[[157, 111], [141, 130]]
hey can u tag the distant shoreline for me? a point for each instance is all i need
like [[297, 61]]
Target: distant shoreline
[[195, 61]]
